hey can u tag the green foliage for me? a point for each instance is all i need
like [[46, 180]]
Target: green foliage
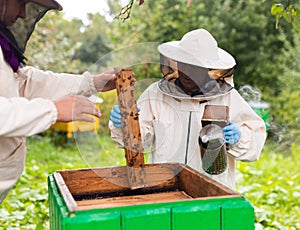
[[50, 49], [95, 42], [290, 11], [92, 50], [285, 110], [272, 186]]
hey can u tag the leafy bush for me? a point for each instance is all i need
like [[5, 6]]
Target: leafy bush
[[272, 184], [285, 110]]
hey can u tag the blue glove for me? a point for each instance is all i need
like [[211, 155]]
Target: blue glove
[[232, 133], [115, 116]]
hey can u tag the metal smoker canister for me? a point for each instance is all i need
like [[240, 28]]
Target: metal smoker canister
[[213, 149]]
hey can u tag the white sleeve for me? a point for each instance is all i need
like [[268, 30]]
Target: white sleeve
[[20, 117], [146, 117], [252, 127], [116, 134], [37, 83]]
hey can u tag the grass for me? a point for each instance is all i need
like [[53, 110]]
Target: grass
[[271, 184]]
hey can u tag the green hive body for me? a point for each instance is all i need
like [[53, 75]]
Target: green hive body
[[229, 212]]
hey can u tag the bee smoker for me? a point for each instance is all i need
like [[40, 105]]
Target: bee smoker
[[212, 140]]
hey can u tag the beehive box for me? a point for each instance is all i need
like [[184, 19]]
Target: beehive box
[[176, 197]]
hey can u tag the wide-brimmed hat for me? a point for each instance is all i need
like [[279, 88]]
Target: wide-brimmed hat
[[198, 47], [51, 4]]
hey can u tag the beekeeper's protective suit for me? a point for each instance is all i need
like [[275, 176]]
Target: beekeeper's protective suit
[[170, 117], [23, 112]]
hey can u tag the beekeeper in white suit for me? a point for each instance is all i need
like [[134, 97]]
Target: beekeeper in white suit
[[31, 100], [196, 72]]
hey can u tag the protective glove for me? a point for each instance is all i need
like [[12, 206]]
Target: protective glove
[[232, 133], [115, 116]]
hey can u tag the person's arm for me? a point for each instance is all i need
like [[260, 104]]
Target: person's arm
[[46, 84], [251, 127], [20, 117], [23, 117]]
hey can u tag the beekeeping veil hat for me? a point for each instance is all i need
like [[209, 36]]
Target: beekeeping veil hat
[[197, 49], [23, 28]]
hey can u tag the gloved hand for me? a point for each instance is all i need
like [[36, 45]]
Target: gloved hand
[[115, 116], [232, 133]]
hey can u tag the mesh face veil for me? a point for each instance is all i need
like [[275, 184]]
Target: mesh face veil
[[23, 28], [168, 68], [185, 80]]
